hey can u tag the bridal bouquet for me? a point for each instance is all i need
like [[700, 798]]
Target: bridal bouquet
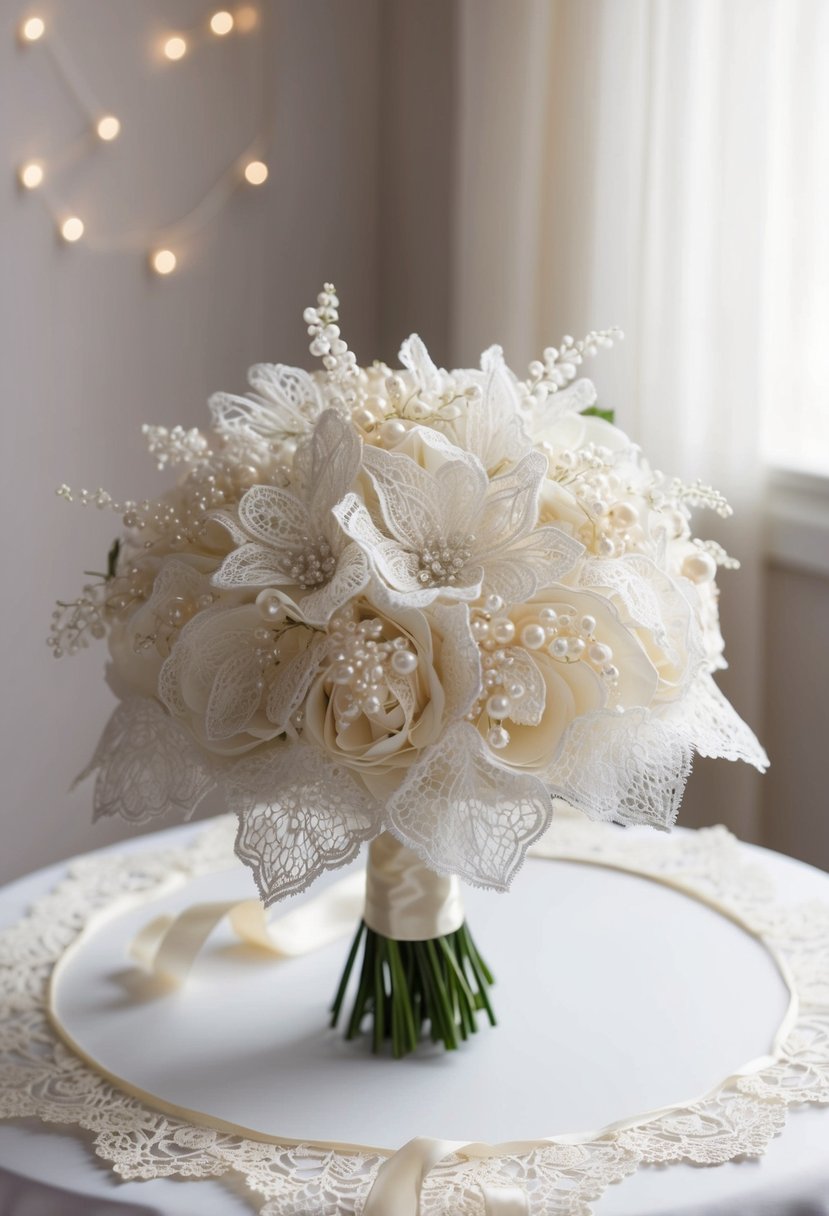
[[411, 607]]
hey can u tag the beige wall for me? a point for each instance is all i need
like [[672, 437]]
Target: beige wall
[[796, 802]]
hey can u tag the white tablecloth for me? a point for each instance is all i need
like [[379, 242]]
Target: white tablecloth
[[43, 1171]]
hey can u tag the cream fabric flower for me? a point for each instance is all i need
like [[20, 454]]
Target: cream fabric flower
[[562, 654], [294, 540], [389, 684], [455, 533], [226, 673]]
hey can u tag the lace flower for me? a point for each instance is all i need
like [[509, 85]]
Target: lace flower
[[294, 541], [454, 532]]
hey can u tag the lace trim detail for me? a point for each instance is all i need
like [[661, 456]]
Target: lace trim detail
[[40, 1077]]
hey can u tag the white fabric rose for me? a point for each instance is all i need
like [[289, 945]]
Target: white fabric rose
[[561, 655], [387, 687]]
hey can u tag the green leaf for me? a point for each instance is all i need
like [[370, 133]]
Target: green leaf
[[595, 412], [112, 558]]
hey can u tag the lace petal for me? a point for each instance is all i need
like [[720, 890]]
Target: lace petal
[[276, 518], [713, 727], [147, 765], [327, 464], [234, 696], [511, 506], [408, 497], [251, 565], [415, 357], [291, 683], [625, 767], [299, 814], [465, 814]]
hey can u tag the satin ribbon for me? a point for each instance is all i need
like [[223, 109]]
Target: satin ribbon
[[168, 946], [405, 900], [397, 1187]]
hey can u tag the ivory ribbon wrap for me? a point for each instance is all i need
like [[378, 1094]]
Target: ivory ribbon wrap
[[405, 900], [168, 946], [399, 1182], [398, 896]]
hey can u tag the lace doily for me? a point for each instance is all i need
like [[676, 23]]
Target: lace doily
[[40, 1077]]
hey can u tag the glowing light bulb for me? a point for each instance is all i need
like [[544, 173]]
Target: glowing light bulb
[[31, 174], [108, 127], [175, 47], [163, 261], [33, 29], [221, 23], [256, 172], [72, 228]]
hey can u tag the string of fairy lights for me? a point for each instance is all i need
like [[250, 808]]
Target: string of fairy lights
[[159, 248]]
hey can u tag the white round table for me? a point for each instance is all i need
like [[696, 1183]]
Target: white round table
[[658, 996]]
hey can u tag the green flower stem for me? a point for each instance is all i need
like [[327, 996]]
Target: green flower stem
[[408, 989]]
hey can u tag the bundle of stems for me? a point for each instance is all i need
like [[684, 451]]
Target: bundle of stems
[[405, 985]]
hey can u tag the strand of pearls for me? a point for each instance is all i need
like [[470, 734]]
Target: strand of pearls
[[362, 665], [560, 632], [559, 365], [326, 342]]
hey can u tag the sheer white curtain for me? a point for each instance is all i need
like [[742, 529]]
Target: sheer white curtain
[[616, 161]]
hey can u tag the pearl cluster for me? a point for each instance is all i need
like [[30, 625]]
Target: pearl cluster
[[311, 566], [383, 419], [442, 559], [614, 524], [326, 343], [559, 632], [74, 623], [172, 446], [362, 662], [559, 365]]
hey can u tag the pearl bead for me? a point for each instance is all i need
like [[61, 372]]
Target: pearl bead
[[498, 706], [548, 615], [699, 567], [372, 705], [493, 603], [559, 648], [498, 738], [404, 662], [342, 673], [588, 624], [503, 630], [575, 648], [624, 515], [271, 608], [515, 690], [392, 431], [480, 628], [599, 653], [533, 636]]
